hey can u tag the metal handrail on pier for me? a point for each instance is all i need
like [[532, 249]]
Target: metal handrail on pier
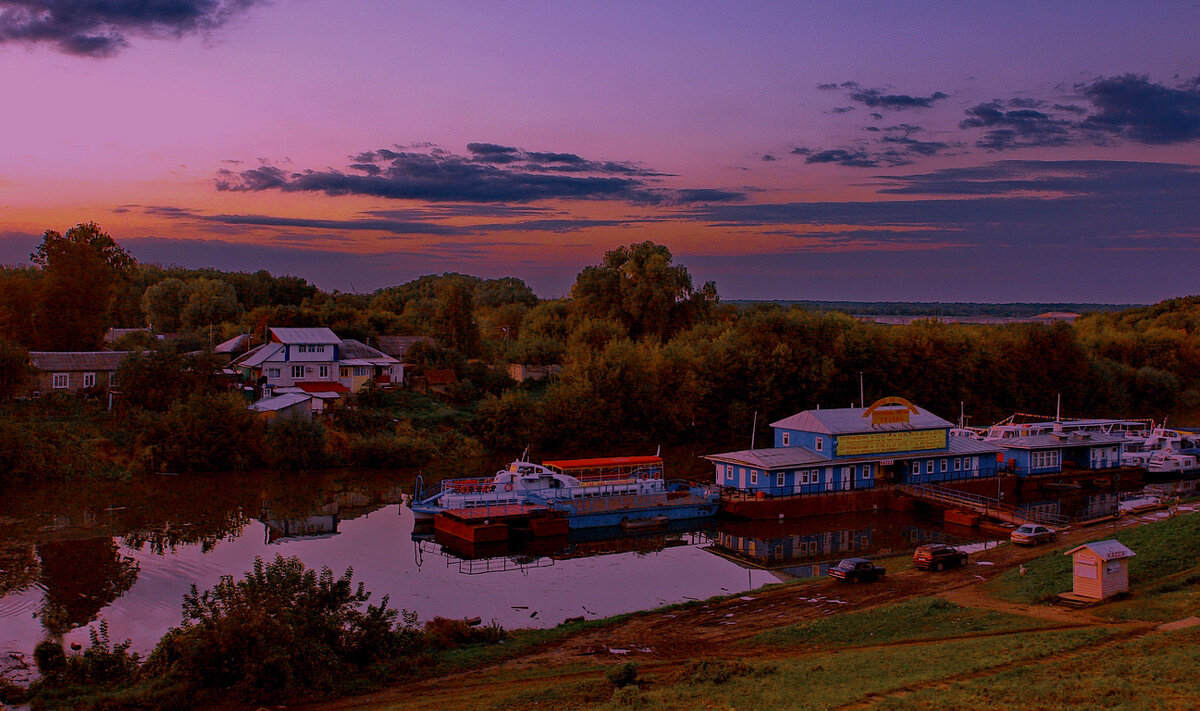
[[986, 505]]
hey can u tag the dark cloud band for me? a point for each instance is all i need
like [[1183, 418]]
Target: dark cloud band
[[101, 28]]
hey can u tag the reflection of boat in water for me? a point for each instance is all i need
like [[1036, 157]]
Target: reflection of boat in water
[[585, 492], [644, 524], [473, 558]]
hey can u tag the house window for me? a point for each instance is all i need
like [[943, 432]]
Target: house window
[[272, 373], [779, 479], [729, 472], [753, 477], [89, 380], [957, 464], [866, 471], [297, 371], [345, 372], [787, 440], [319, 349], [112, 379], [916, 468], [301, 348], [820, 444], [945, 465], [61, 380], [929, 467], [804, 477], [324, 371]]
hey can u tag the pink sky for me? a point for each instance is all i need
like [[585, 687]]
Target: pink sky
[[1017, 112]]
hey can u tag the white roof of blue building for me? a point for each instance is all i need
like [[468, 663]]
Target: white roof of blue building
[[305, 335], [1061, 439], [851, 420], [1107, 550]]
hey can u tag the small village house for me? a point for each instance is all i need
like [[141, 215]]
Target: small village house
[[73, 371], [315, 361], [1100, 570]]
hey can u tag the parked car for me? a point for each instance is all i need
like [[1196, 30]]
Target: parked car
[[937, 556], [1031, 534], [857, 570]]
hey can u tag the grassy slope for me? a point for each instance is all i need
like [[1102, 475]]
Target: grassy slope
[[1165, 553]]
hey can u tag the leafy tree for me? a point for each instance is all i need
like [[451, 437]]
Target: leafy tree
[[208, 432], [454, 318], [156, 379], [294, 443], [281, 632], [163, 304], [639, 286], [506, 290], [14, 368], [209, 301], [19, 289], [80, 270]]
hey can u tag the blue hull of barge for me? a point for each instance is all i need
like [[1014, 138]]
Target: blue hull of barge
[[615, 519], [690, 503]]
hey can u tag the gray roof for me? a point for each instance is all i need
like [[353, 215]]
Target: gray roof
[[352, 349], [305, 335], [233, 344], [1054, 441], [397, 346], [1107, 550], [279, 402], [850, 420], [258, 355], [970, 445], [773, 458], [87, 361]]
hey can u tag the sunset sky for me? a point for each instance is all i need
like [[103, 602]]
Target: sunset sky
[[956, 151]]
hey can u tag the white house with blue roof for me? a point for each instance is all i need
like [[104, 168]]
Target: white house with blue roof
[[848, 449]]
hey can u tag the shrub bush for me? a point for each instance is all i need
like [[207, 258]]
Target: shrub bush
[[623, 675], [283, 631], [294, 443]]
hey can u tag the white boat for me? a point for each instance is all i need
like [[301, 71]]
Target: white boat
[[525, 483], [1163, 451]]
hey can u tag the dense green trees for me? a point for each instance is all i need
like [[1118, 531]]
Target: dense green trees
[[644, 355]]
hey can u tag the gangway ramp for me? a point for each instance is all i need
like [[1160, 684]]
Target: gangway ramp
[[986, 505]]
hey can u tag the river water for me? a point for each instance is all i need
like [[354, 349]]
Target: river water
[[72, 554]]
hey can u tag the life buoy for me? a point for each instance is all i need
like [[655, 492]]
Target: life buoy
[[508, 486]]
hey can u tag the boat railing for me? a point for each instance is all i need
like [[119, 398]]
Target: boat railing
[[467, 485]]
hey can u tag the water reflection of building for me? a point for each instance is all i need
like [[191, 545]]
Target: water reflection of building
[[284, 523], [791, 543]]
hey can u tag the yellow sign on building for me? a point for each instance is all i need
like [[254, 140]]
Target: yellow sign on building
[[879, 442]]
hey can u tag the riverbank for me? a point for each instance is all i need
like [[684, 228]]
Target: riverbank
[[969, 638]]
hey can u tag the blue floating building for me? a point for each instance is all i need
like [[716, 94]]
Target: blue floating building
[[854, 449]]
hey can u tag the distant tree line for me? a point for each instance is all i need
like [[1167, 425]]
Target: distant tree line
[[645, 356]]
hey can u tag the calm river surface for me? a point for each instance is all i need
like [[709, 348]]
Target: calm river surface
[[73, 554]]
